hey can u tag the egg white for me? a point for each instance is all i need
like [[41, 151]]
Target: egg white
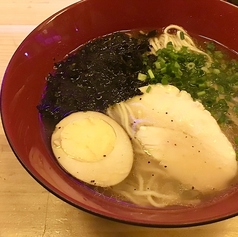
[[93, 148]]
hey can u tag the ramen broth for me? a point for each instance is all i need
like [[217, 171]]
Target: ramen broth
[[185, 195]]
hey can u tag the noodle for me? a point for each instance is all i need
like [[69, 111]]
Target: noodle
[[153, 193], [175, 39], [153, 202], [141, 182]]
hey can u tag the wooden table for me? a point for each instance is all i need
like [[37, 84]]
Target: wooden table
[[26, 208]]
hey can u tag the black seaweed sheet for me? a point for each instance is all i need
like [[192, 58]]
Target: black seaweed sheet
[[100, 73]]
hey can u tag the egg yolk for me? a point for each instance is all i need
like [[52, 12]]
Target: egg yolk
[[88, 140]]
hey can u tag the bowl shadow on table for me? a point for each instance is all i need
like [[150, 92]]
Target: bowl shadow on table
[[107, 227], [69, 221]]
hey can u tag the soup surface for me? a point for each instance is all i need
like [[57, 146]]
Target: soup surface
[[113, 70]]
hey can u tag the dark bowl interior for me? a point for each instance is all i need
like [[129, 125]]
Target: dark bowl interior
[[24, 82]]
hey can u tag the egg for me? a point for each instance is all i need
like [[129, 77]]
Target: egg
[[181, 134], [93, 148]]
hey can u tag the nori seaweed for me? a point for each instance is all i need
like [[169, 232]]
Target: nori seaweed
[[99, 74]]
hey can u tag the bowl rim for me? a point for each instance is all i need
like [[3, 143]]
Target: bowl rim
[[125, 221]]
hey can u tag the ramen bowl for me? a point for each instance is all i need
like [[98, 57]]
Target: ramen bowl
[[24, 83]]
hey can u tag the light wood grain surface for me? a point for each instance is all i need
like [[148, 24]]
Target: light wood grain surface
[[26, 208]]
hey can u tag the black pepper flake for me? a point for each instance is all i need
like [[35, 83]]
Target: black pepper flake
[[166, 112], [172, 120], [148, 162], [165, 166], [175, 144], [140, 98], [58, 157], [192, 187], [104, 155], [59, 127], [92, 181], [152, 175]]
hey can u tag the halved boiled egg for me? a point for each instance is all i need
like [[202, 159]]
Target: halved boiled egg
[[93, 148]]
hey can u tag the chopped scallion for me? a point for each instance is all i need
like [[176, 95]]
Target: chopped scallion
[[216, 71], [142, 76], [190, 65], [164, 81], [151, 74], [182, 35], [157, 65], [202, 85], [148, 89], [201, 93], [214, 83]]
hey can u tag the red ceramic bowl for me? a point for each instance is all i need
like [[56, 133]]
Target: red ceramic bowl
[[61, 33]]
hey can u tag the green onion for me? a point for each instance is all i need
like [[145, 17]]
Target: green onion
[[202, 85], [164, 81], [236, 140], [151, 74], [216, 71], [205, 69], [157, 65], [190, 65], [141, 76], [201, 93], [182, 35], [218, 54], [169, 45], [163, 70], [220, 89], [211, 46], [213, 84], [176, 65], [223, 118], [148, 89]]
